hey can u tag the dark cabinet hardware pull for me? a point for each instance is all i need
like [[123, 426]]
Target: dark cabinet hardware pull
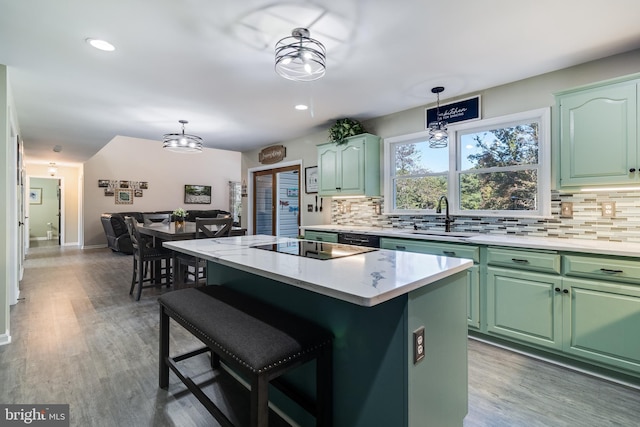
[[401, 248], [319, 239], [520, 261], [632, 170], [608, 271], [566, 291], [449, 253], [557, 289]]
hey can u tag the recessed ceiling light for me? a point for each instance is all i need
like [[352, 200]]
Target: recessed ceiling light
[[101, 44], [301, 107]]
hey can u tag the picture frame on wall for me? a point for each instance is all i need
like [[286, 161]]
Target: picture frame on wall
[[137, 193], [124, 196], [108, 192], [103, 183], [35, 196], [311, 179], [197, 194]]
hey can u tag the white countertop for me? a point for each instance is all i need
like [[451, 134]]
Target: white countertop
[[598, 247], [365, 279]]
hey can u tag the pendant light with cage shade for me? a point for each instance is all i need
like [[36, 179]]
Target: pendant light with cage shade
[[182, 142], [438, 136], [299, 57]]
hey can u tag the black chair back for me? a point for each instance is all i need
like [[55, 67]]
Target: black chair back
[[205, 227]]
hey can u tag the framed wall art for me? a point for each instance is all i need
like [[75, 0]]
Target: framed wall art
[[311, 179], [197, 194], [35, 196], [124, 196]]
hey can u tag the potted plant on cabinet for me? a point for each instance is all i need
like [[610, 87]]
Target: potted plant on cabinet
[[344, 128]]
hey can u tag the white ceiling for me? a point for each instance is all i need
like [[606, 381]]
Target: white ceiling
[[211, 62]]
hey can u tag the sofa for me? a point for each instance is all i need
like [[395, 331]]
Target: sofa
[[115, 229]]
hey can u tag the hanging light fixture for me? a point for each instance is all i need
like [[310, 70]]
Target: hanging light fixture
[[299, 57], [52, 168], [438, 136], [182, 142]]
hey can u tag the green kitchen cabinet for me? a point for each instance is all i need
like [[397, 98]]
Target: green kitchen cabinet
[[350, 169], [526, 306], [602, 322], [598, 134], [321, 236], [450, 250]]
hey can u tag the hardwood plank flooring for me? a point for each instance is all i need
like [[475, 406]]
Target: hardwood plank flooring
[[79, 338]]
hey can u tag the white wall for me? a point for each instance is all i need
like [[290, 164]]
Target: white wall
[[166, 172], [523, 95]]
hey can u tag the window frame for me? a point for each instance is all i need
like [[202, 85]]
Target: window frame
[[541, 115]]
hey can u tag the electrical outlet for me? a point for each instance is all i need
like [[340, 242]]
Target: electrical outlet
[[566, 210], [418, 345], [608, 209]]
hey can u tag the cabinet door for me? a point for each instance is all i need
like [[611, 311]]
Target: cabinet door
[[351, 169], [327, 169], [473, 297], [602, 322], [598, 135], [525, 306], [452, 250]]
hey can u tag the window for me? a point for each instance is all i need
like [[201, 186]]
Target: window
[[494, 167], [417, 175]]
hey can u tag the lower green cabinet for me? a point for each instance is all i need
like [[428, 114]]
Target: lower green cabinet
[[602, 322], [321, 236], [451, 250], [525, 306]]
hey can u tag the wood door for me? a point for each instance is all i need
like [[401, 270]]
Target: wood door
[[276, 201]]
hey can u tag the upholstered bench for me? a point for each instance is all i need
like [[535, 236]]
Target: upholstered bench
[[255, 339]]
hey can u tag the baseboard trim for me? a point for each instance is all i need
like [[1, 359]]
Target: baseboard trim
[[574, 367], [5, 338], [94, 246]]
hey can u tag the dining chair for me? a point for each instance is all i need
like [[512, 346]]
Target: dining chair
[[144, 255], [206, 228], [165, 219]]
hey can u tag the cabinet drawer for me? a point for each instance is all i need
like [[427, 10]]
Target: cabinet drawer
[[618, 270], [546, 262], [432, 248], [321, 236]]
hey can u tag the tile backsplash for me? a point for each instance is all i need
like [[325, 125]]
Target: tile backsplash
[[587, 222]]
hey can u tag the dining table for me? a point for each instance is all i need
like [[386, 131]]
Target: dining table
[[161, 232]]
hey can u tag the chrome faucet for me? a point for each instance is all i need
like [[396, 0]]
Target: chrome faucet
[[447, 218]]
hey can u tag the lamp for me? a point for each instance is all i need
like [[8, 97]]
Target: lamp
[[438, 136], [299, 57], [182, 142], [52, 169]]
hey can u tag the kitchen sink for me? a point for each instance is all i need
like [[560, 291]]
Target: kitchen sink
[[459, 235]]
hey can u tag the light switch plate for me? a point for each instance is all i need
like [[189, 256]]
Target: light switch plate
[[608, 209], [566, 210]]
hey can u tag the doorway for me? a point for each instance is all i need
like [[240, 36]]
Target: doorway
[[276, 201], [45, 219]]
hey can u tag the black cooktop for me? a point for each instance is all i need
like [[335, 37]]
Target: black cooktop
[[315, 250]]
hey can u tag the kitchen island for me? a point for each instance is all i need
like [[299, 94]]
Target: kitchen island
[[372, 302]]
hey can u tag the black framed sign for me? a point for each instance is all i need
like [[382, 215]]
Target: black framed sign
[[461, 111], [311, 179]]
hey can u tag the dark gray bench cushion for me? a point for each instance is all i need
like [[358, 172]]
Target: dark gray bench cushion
[[257, 335]]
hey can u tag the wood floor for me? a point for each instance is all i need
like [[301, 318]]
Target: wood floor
[[79, 338]]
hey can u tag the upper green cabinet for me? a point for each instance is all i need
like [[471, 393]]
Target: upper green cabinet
[[351, 169], [598, 134]]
